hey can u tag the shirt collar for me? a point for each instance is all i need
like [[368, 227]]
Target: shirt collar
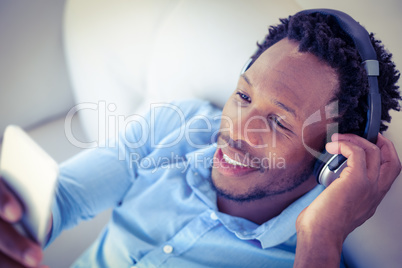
[[273, 232], [199, 174]]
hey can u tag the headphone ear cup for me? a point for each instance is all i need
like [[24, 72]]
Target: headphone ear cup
[[320, 164], [328, 167]]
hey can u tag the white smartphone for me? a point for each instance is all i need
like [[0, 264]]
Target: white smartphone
[[31, 174]]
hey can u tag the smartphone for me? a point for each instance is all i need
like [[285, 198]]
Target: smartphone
[[31, 174]]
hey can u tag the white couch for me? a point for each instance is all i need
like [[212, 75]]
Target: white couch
[[122, 55]]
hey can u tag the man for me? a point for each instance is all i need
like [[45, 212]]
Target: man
[[193, 186]]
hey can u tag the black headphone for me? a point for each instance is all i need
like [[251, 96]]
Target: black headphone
[[328, 167]]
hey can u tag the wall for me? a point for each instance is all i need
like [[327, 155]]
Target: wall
[[34, 85]]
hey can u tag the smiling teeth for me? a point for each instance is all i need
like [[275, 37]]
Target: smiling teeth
[[233, 162]]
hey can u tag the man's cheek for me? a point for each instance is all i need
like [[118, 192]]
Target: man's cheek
[[295, 158], [313, 139], [273, 161]]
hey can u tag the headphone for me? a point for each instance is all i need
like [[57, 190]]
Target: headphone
[[328, 167]]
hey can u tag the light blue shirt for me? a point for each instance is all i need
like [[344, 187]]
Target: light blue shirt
[[164, 208]]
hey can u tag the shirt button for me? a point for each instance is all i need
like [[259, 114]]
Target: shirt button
[[168, 249], [213, 216], [196, 173]]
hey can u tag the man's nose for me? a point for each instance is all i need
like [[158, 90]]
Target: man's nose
[[253, 129]]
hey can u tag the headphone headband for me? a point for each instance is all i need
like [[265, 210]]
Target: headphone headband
[[329, 167], [361, 39]]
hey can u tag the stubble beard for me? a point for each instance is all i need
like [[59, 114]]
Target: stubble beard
[[264, 191]]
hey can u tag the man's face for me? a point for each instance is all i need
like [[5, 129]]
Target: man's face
[[263, 125]]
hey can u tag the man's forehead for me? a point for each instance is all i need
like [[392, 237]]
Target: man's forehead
[[298, 79]]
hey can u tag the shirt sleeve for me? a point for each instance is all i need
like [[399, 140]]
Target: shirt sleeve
[[90, 183], [97, 179]]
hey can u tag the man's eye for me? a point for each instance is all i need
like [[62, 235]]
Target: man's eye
[[244, 97], [277, 122]]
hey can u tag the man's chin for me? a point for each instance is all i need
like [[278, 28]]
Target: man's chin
[[246, 189], [237, 197]]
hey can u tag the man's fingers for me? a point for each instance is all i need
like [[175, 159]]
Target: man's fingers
[[6, 262], [19, 248], [14, 248], [372, 154], [10, 208], [355, 154], [388, 152], [390, 163]]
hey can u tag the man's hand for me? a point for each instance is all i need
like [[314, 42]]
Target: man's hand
[[348, 202], [15, 250]]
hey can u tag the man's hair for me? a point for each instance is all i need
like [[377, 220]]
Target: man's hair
[[322, 36]]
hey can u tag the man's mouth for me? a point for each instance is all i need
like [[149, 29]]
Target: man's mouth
[[233, 162], [227, 166]]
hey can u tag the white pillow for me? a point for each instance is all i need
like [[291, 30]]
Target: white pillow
[[133, 52]]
